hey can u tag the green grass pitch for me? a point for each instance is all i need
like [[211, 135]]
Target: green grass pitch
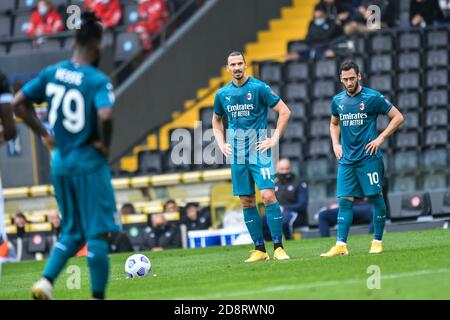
[[415, 265]]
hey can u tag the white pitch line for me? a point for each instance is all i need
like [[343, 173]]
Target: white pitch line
[[315, 285]]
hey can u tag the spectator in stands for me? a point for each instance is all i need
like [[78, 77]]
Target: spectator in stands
[[54, 218], [127, 208], [109, 11], [337, 10], [361, 20], [20, 222], [322, 32], [171, 206], [424, 13], [193, 219], [44, 20], [153, 14], [162, 235], [292, 194], [362, 212]]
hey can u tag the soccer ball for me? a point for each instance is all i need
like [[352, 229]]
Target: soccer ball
[[137, 266]]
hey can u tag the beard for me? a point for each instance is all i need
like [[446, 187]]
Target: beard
[[354, 89], [238, 75]]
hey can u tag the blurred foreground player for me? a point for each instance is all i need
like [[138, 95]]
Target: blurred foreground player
[[80, 100]]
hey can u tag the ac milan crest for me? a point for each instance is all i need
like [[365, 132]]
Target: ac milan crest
[[361, 106], [249, 96]]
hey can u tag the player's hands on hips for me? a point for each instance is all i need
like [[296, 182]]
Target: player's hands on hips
[[49, 141], [373, 146], [267, 144], [338, 151], [226, 149]]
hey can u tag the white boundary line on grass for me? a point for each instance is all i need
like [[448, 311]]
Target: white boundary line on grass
[[315, 285]]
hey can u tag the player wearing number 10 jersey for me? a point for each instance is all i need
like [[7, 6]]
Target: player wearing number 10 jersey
[[80, 101], [361, 168]]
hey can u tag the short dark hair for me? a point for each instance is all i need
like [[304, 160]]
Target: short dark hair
[[236, 54], [191, 204], [170, 201], [128, 206], [90, 31], [348, 65]]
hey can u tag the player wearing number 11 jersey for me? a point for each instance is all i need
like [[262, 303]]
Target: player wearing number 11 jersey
[[353, 130], [80, 101]]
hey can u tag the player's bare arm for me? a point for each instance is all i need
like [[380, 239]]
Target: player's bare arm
[[24, 109], [283, 118], [7, 122], [335, 132], [105, 124], [396, 120], [219, 134]]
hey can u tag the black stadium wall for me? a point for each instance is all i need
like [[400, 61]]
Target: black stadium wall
[[185, 63]]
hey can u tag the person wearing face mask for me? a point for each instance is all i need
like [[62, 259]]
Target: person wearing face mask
[[322, 33], [109, 11], [292, 194], [44, 20]]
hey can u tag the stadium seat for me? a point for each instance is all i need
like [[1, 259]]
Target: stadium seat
[[437, 78], [436, 118], [381, 83], [408, 100], [3, 50], [7, 5], [319, 168], [50, 45], [324, 89], [272, 116], [435, 158], [436, 137], [321, 108], [405, 161], [381, 63], [434, 181], [38, 244], [291, 149], [412, 205], [404, 183], [136, 233], [410, 80], [409, 60], [20, 48], [296, 91], [325, 68], [319, 190], [381, 42], [297, 46], [5, 27], [437, 38], [410, 40], [411, 120], [206, 115], [69, 43], [298, 110], [437, 58], [382, 123], [276, 88], [319, 128], [440, 202], [149, 162], [407, 140], [437, 98], [319, 148], [20, 23], [270, 72], [297, 71], [295, 131], [130, 14], [127, 45]]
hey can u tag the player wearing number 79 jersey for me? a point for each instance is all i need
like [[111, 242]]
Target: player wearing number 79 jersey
[[80, 101]]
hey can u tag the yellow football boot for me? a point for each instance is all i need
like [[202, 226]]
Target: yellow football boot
[[376, 247], [337, 250], [257, 255], [280, 254]]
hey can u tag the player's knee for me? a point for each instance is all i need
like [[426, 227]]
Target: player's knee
[[268, 196], [345, 203], [247, 202]]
